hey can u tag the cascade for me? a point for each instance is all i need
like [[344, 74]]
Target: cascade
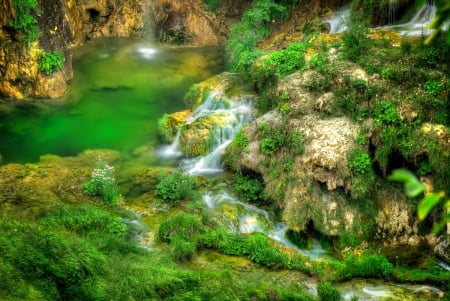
[[231, 114], [338, 23], [392, 8]]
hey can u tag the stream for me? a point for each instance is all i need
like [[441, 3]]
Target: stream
[[120, 89]]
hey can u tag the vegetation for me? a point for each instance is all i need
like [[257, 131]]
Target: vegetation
[[103, 183], [50, 62], [327, 292], [25, 21], [177, 186]]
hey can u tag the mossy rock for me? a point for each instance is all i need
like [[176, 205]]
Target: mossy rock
[[169, 124]]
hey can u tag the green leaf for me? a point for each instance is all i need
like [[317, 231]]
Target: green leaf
[[427, 204], [413, 186]]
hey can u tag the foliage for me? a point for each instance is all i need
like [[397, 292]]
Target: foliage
[[49, 62], [327, 292], [177, 186], [359, 162], [366, 266], [433, 87], [241, 140], [413, 188], [241, 46], [84, 220], [182, 232], [25, 21], [103, 183], [284, 62], [164, 130], [354, 40], [212, 4], [442, 15], [386, 112], [250, 188]]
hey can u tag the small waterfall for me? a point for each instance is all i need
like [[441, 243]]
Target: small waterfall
[[251, 219], [417, 25], [231, 114], [339, 21], [392, 8]]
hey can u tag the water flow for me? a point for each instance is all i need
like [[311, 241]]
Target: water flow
[[391, 11], [339, 21], [250, 219], [231, 114], [417, 25]]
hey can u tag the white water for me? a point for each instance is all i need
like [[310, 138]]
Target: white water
[[339, 21], [416, 26], [251, 219], [233, 113]]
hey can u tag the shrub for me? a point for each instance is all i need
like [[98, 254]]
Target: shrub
[[241, 47], [433, 87], [212, 4], [250, 188], [327, 292], [103, 183], [182, 232], [285, 61], [25, 21], [386, 112], [49, 62], [359, 162], [177, 187], [354, 40]]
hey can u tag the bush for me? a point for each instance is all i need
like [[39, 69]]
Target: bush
[[49, 62], [250, 189], [103, 183], [386, 112], [359, 162], [286, 61], [25, 21], [241, 47], [327, 292], [177, 187]]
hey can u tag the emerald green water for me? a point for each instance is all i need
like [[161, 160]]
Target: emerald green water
[[119, 90]]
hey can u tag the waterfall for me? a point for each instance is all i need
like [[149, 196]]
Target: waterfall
[[251, 219], [392, 8], [417, 25], [338, 23], [231, 114]]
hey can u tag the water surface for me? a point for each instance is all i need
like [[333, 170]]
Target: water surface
[[119, 90]]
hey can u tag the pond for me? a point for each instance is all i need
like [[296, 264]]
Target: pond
[[120, 88]]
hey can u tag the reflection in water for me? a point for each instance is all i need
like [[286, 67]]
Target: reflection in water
[[119, 90]]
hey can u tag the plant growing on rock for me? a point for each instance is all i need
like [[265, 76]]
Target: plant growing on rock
[[103, 183], [25, 21], [49, 62]]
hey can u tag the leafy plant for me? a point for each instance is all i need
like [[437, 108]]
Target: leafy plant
[[241, 47], [177, 187], [414, 188], [25, 21], [286, 61], [250, 188], [49, 62], [386, 112], [433, 87], [212, 4], [103, 183], [359, 162]]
